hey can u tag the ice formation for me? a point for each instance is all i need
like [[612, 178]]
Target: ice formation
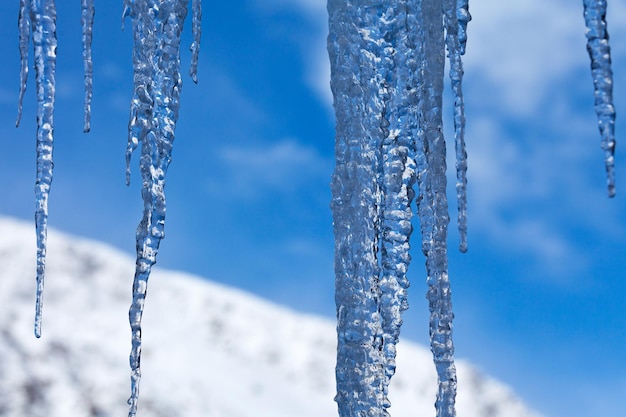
[[86, 18], [387, 62], [600, 55], [157, 26], [455, 43], [387, 65], [38, 18]]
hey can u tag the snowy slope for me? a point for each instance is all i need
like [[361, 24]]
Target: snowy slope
[[208, 350]]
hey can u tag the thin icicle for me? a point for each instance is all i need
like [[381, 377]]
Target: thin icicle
[[43, 15], [126, 11], [464, 17], [140, 104], [23, 24], [157, 27], [453, 26], [355, 82], [600, 54], [196, 25], [397, 182], [86, 18], [432, 204]]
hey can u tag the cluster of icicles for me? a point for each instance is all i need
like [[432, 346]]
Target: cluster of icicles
[[157, 26], [387, 61], [387, 66], [387, 71]]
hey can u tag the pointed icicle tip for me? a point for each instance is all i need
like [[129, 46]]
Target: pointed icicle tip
[[24, 26], [196, 6], [87, 18], [602, 74], [611, 190]]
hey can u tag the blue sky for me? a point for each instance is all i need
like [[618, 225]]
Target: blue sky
[[539, 297]]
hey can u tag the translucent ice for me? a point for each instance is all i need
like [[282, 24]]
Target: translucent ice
[[387, 64], [157, 26], [40, 17], [433, 205], [454, 28], [23, 23], [354, 53], [196, 9], [600, 54], [87, 14]]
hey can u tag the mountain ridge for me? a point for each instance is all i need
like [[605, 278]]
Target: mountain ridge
[[208, 349]]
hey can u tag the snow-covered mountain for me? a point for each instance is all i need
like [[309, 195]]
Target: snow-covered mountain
[[208, 350]]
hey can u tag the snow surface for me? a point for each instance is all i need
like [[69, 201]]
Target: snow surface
[[208, 350]]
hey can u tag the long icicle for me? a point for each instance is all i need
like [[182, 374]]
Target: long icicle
[[463, 17], [352, 45], [454, 27], [23, 24], [86, 18], [157, 26], [397, 183], [141, 102], [432, 202], [196, 29], [600, 55], [43, 14]]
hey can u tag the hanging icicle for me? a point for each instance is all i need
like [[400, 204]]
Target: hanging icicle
[[454, 27], [157, 26], [196, 28], [433, 204], [23, 23], [387, 65], [86, 18], [398, 176], [600, 55], [464, 17], [352, 42], [40, 17]]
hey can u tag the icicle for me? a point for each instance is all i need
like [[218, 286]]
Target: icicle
[[432, 204], [126, 11], [464, 17], [157, 26], [453, 43], [23, 23], [43, 15], [397, 182], [600, 54], [387, 96], [87, 14], [355, 83], [196, 7]]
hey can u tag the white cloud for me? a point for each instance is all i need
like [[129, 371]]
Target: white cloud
[[313, 46], [315, 9], [280, 166], [527, 194], [318, 75], [522, 46]]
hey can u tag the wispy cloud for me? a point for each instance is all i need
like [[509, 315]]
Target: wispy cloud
[[277, 167], [532, 190], [313, 42], [522, 47]]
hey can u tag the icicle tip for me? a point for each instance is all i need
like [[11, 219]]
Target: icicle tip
[[611, 190]]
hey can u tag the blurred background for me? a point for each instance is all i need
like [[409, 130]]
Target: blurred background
[[540, 295]]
